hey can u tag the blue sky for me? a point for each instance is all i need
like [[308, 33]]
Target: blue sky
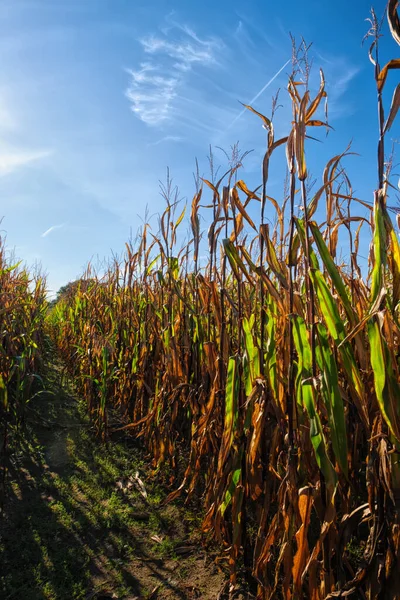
[[98, 97]]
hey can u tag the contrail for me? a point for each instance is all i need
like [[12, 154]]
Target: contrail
[[52, 228], [259, 94]]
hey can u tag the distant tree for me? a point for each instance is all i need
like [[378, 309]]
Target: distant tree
[[69, 289]]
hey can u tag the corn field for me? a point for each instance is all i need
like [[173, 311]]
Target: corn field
[[22, 315], [270, 371]]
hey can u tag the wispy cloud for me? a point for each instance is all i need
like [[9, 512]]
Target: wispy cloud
[[51, 229], [154, 86], [187, 53], [339, 89], [166, 138], [13, 159], [151, 94], [339, 73]]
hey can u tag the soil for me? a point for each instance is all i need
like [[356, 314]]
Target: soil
[[86, 521]]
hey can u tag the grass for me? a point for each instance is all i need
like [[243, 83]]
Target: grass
[[74, 525]]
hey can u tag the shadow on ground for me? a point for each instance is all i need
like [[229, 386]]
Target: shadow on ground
[[77, 524]]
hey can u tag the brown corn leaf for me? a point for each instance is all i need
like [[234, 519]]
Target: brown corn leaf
[[393, 19], [315, 103], [392, 64], [394, 107], [302, 554]]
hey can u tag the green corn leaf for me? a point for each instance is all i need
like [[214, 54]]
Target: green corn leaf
[[153, 262], [231, 410], [180, 218], [393, 258], [332, 397], [328, 306], [252, 352], [236, 474], [387, 388], [333, 271], [271, 355], [235, 261], [160, 278], [3, 393], [303, 349], [336, 329], [173, 265], [302, 235], [10, 269], [247, 375], [379, 250]]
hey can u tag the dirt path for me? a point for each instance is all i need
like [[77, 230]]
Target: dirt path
[[82, 521]]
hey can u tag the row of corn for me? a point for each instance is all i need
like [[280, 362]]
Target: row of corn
[[23, 307], [266, 376]]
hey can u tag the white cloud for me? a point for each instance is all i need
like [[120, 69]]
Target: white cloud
[[166, 138], [12, 159], [155, 85], [187, 53], [52, 228], [151, 94]]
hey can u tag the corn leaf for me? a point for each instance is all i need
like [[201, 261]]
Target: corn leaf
[[303, 349], [332, 398]]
